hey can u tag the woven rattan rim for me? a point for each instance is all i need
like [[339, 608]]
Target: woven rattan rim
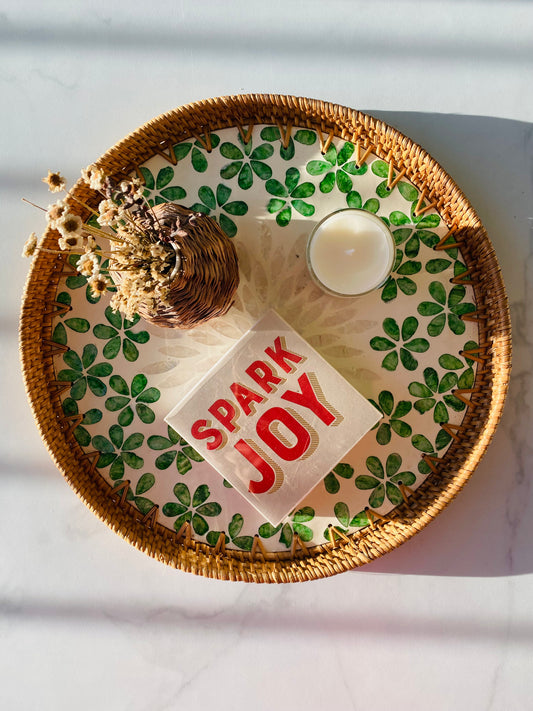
[[450, 473]]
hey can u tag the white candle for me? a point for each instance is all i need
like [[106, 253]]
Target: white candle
[[350, 252]]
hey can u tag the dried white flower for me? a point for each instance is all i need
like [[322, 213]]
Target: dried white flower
[[94, 177], [55, 212], [55, 182], [88, 264], [109, 213], [30, 246], [98, 284], [73, 242], [69, 224]]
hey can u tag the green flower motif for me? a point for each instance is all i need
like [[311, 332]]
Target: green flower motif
[[145, 483], [383, 482], [83, 372], [289, 196], [346, 520], [422, 443], [234, 530], [137, 394], [441, 264], [59, 334], [336, 167], [399, 278], [406, 263], [172, 193], [91, 417], [354, 200], [183, 456], [197, 152], [215, 206], [79, 325], [434, 394], [288, 530], [245, 161], [452, 362], [303, 136], [437, 309], [331, 481], [412, 238], [245, 543], [193, 509], [409, 344], [407, 191], [117, 452], [112, 334], [393, 417]]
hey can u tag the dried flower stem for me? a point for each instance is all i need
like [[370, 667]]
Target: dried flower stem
[[33, 204], [141, 252], [91, 209], [100, 233]]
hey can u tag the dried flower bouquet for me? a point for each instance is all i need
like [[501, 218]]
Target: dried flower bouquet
[[174, 267]]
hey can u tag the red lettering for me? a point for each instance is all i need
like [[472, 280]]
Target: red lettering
[[288, 453], [270, 472], [263, 375], [308, 398], [245, 396], [199, 431], [280, 355], [225, 413]]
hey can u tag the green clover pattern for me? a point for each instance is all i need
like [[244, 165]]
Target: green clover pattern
[[178, 451], [288, 195], [332, 481], [91, 417], [436, 394], [287, 153], [122, 407], [130, 397], [337, 169], [216, 205], [297, 525], [393, 414], [117, 452], [194, 509], [145, 482], [83, 372], [437, 309], [383, 481], [245, 162], [118, 332], [409, 345]]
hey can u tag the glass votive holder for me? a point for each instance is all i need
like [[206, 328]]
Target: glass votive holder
[[350, 253]]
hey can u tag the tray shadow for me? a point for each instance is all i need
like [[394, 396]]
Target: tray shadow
[[487, 531]]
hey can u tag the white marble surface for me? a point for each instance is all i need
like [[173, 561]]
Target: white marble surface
[[446, 621]]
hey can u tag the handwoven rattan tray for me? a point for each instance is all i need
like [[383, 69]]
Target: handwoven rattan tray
[[290, 161]]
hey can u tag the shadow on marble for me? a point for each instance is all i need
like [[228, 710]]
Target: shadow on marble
[[487, 531], [215, 39], [273, 622]]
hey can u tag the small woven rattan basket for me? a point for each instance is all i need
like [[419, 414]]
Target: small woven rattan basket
[[207, 273], [450, 472]]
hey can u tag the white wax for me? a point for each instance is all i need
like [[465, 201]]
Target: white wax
[[351, 252]]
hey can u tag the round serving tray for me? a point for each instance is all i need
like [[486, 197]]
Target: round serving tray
[[431, 348]]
